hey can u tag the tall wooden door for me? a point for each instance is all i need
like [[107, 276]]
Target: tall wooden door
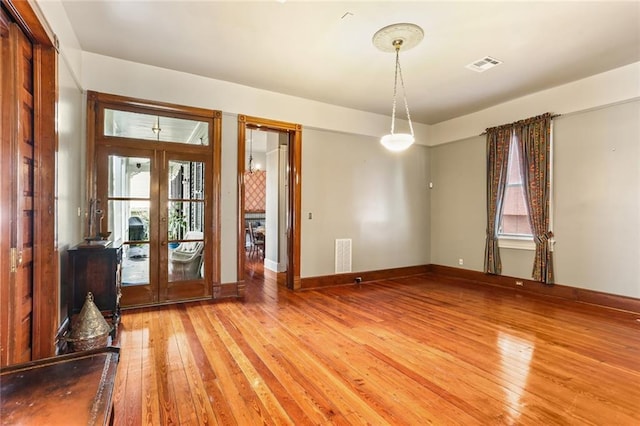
[[17, 193]]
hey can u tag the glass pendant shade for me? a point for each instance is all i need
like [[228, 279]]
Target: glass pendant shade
[[397, 141]]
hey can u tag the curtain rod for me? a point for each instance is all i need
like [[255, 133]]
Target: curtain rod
[[552, 117]]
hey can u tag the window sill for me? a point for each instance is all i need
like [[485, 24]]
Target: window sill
[[519, 243]]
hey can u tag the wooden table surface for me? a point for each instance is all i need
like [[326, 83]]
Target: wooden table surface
[[72, 389]]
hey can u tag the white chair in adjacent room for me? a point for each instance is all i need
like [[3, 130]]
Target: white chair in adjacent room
[[186, 259]]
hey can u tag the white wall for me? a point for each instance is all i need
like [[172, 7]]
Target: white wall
[[273, 195], [54, 14], [229, 200], [356, 189], [597, 199], [70, 159], [596, 209], [70, 170], [458, 200], [283, 203]]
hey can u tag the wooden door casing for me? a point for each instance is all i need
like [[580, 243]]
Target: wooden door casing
[[6, 87]]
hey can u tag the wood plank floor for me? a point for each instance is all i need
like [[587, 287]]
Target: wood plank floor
[[410, 351]]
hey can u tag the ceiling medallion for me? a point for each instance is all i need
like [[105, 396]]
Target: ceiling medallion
[[410, 34]]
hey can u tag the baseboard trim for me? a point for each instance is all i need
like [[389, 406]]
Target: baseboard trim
[[274, 266], [350, 278], [592, 297], [229, 290]]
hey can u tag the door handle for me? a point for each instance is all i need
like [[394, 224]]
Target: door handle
[[163, 243]]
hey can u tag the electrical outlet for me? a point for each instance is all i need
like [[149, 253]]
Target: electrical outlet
[[519, 283], [461, 261]]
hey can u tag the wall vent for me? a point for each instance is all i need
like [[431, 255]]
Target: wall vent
[[481, 65], [343, 255]]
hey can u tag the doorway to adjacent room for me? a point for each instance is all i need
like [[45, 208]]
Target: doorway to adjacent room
[[269, 164]]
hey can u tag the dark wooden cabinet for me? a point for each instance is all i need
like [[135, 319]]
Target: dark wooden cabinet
[[95, 268]]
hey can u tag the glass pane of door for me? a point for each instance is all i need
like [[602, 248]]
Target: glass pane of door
[[186, 220], [129, 206]]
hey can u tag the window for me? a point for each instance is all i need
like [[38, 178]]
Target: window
[[515, 227], [515, 216], [136, 125]]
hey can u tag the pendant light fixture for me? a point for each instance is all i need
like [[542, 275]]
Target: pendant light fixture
[[156, 128], [392, 38]]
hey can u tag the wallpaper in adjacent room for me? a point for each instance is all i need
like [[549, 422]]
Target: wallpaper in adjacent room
[[255, 191]]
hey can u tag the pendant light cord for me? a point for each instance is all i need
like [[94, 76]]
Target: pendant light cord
[[251, 153], [395, 90], [397, 45]]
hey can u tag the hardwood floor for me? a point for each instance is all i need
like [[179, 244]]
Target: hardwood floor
[[412, 351]]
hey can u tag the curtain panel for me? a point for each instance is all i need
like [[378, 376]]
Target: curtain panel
[[533, 136], [498, 144], [534, 139]]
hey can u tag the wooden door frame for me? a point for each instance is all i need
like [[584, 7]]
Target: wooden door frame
[[46, 278], [295, 190]]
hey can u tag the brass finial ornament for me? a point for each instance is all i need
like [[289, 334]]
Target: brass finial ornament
[[391, 39], [90, 329]]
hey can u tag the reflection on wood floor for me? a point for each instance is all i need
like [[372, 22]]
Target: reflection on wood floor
[[254, 272], [415, 350]]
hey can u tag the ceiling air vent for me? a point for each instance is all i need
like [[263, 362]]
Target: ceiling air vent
[[481, 65]]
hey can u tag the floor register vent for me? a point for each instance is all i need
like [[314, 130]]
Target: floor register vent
[[343, 255]]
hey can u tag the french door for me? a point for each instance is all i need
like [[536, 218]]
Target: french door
[[153, 202]]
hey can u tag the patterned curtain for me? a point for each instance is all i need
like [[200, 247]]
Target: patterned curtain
[[534, 138], [498, 142]]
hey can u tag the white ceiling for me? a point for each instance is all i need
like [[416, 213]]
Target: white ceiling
[[322, 50]]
